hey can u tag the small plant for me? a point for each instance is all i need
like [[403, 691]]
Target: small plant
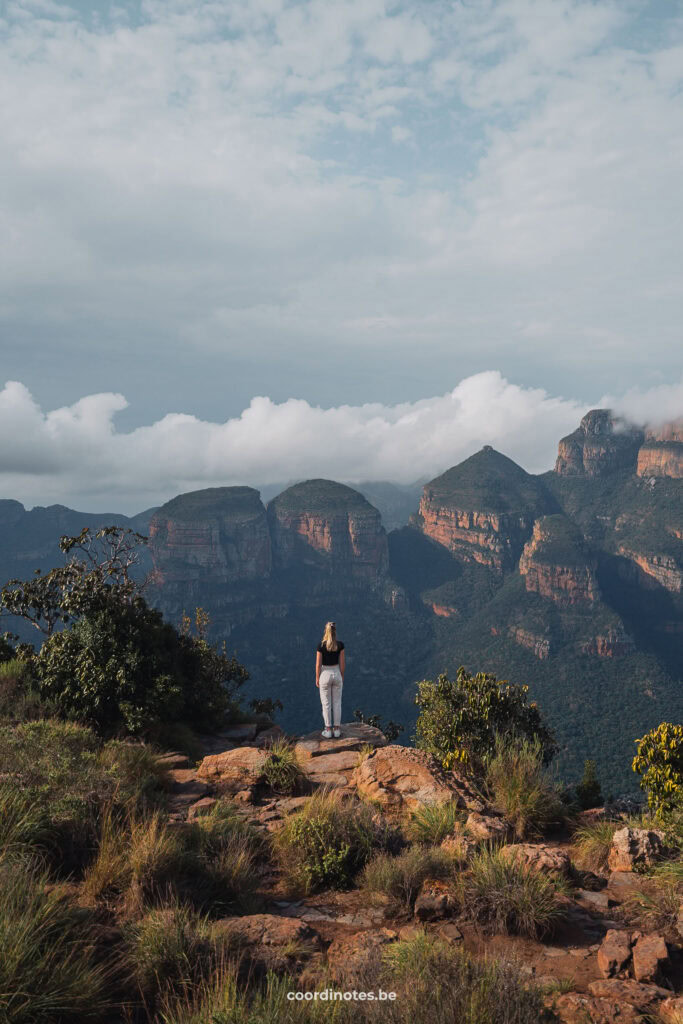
[[656, 901], [592, 843], [431, 824], [266, 706], [519, 788], [364, 752], [281, 769], [510, 897], [659, 762], [401, 877], [589, 791], [326, 843]]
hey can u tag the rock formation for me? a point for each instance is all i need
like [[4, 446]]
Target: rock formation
[[483, 510], [330, 527], [661, 454], [557, 564], [602, 444]]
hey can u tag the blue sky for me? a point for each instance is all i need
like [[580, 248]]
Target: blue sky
[[204, 203]]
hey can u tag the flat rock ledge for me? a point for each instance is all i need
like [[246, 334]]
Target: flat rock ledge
[[354, 736]]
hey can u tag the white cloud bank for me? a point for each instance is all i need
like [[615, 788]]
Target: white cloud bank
[[76, 456]]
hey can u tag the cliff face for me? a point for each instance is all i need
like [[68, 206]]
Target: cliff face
[[662, 451], [329, 526], [602, 444], [556, 564], [482, 510], [218, 535], [661, 569]]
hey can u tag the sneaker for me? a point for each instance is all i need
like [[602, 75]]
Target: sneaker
[[336, 733], [327, 734]]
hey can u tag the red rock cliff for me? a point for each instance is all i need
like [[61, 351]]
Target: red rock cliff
[[330, 526], [216, 535], [602, 444], [662, 451], [556, 564], [482, 510]]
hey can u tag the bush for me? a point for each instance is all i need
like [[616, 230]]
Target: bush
[[510, 897], [589, 791], [431, 824], [518, 786], [326, 843], [281, 769], [48, 967], [401, 877], [659, 762], [656, 900], [592, 843], [459, 719]]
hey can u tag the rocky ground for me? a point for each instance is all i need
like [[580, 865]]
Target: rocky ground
[[598, 969]]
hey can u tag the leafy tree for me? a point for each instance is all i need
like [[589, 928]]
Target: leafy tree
[[120, 666], [460, 718], [589, 791], [659, 762]]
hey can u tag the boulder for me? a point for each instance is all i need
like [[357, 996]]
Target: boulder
[[268, 736], [354, 735], [233, 770], [634, 993], [614, 953], [577, 1008], [268, 940], [650, 955], [435, 900], [488, 827], [201, 808], [405, 779], [548, 860], [348, 956], [635, 846]]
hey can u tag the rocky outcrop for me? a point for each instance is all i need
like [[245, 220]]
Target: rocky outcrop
[[547, 860], [538, 645], [602, 444], [650, 958], [556, 563], [614, 643], [403, 779], [482, 510], [234, 770], [663, 570], [661, 454], [635, 847], [614, 953], [331, 527], [217, 535], [268, 941]]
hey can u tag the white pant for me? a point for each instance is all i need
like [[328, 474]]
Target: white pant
[[331, 684]]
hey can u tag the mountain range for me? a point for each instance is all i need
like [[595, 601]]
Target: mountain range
[[570, 581]]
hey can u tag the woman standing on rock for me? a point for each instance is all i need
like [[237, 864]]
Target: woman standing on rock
[[330, 664]]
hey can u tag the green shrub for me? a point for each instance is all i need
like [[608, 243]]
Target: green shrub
[[431, 824], [589, 791], [508, 896], [659, 762], [401, 876], [592, 843], [519, 788], [281, 769], [326, 843], [48, 967], [459, 718]]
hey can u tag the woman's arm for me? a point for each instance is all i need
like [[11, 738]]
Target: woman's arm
[[318, 665], [342, 663]]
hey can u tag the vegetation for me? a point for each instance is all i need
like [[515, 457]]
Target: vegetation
[[401, 876], [655, 902], [281, 770], [431, 824], [659, 762], [392, 730], [519, 787], [508, 896], [326, 843], [592, 843], [589, 791], [459, 719]]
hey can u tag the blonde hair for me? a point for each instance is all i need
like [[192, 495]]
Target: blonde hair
[[330, 637]]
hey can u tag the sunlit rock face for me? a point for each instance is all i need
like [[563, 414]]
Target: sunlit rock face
[[602, 444], [661, 454], [324, 524], [557, 565], [483, 510]]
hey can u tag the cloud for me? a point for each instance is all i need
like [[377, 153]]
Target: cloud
[[652, 407], [76, 456], [221, 178]]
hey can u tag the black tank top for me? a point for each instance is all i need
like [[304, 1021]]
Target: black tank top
[[331, 657]]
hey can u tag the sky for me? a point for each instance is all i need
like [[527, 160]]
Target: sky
[[257, 240]]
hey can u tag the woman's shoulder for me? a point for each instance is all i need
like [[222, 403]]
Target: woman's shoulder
[[340, 645]]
